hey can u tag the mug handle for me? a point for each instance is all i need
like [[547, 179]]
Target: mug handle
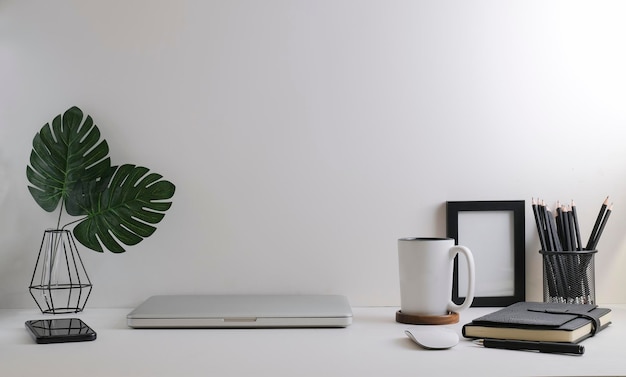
[[469, 297]]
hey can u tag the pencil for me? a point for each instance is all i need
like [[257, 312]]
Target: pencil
[[572, 228], [597, 224], [567, 226], [549, 232], [596, 238], [579, 243], [542, 239], [557, 263], [555, 233], [558, 218]]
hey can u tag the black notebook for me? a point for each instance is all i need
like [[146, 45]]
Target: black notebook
[[542, 322]]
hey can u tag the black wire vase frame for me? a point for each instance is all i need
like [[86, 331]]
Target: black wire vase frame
[[60, 283]]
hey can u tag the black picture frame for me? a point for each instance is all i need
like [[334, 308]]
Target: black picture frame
[[517, 282]]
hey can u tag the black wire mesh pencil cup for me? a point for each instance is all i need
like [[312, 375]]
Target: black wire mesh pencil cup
[[569, 276]]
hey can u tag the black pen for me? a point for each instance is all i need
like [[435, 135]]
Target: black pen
[[547, 347]]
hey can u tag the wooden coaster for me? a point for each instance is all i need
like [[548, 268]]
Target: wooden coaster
[[445, 319]]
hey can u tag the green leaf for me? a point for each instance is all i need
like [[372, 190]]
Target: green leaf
[[64, 156], [125, 211], [69, 164]]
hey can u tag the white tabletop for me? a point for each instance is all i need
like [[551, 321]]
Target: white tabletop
[[374, 345]]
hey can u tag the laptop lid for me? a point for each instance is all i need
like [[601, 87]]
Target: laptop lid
[[241, 311]]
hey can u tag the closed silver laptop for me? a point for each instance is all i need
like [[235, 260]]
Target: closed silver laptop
[[241, 311]]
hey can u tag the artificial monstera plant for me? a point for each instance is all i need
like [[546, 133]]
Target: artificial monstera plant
[[70, 167]]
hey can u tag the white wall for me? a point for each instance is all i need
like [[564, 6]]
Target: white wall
[[305, 137]]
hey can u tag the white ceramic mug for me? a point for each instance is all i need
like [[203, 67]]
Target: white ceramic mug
[[426, 266]]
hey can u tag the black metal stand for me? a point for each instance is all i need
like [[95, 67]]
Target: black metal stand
[[60, 283]]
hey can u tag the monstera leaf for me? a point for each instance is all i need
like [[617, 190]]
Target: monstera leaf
[[63, 156], [125, 210], [69, 164]]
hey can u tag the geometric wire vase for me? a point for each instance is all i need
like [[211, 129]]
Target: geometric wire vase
[[60, 283]]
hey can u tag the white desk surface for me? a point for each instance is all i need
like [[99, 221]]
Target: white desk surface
[[374, 345]]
